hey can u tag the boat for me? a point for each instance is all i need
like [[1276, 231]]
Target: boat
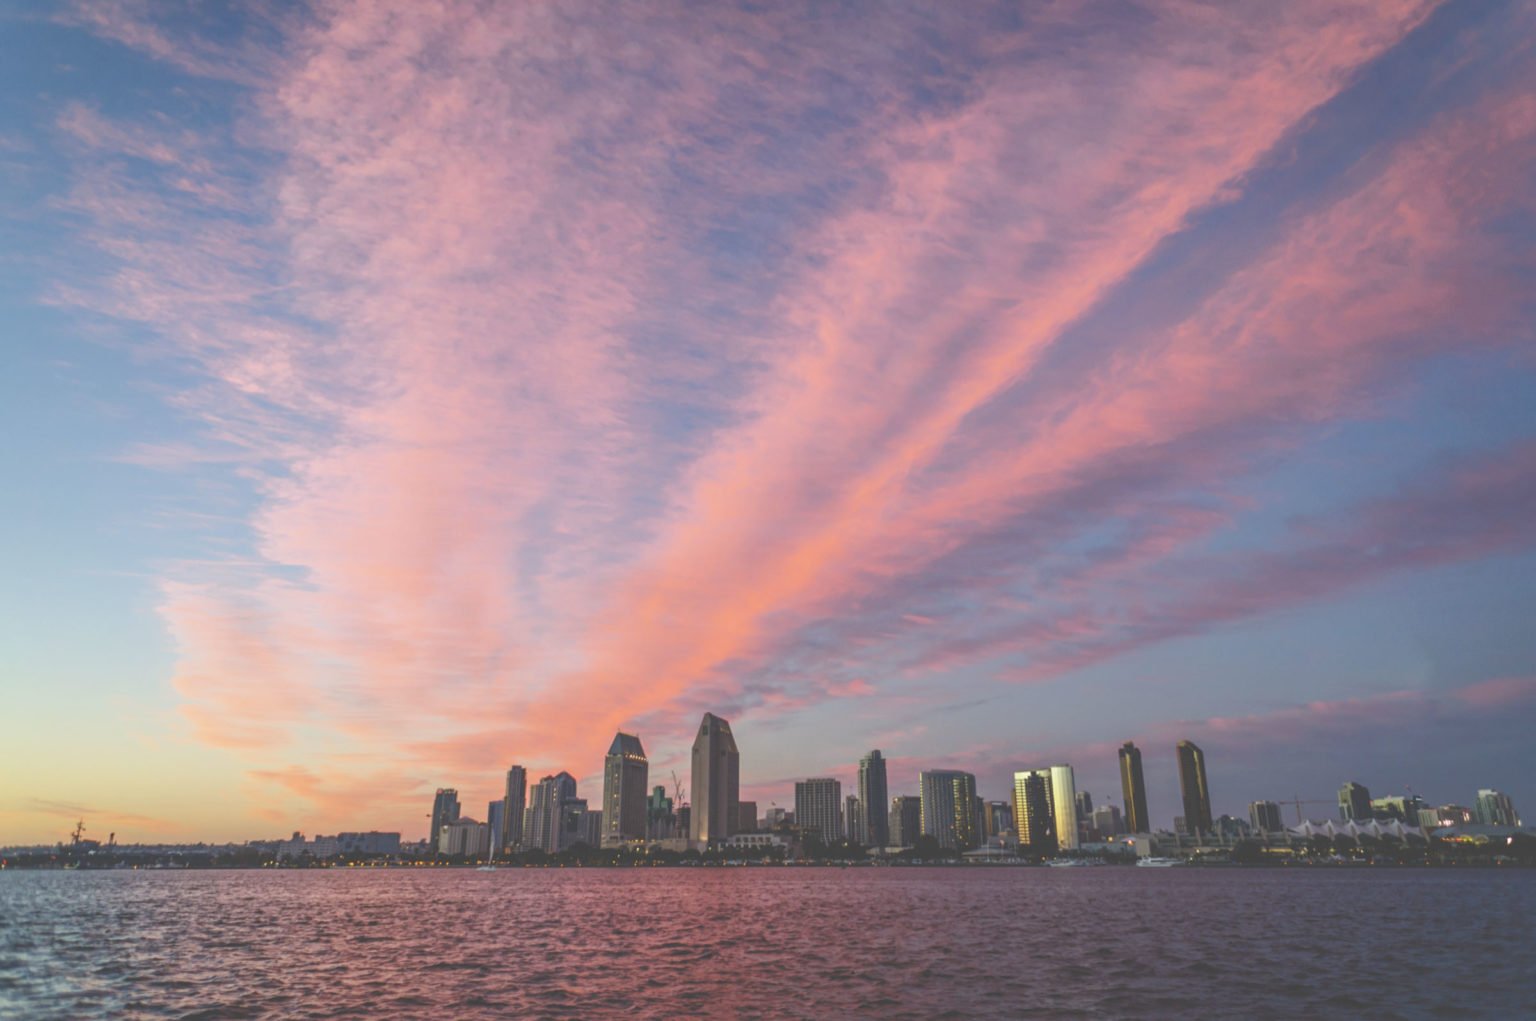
[[1158, 863], [1073, 863]]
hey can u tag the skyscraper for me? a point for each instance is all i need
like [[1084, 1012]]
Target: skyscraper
[[875, 799], [445, 809], [625, 775], [1034, 811], [1495, 808], [853, 820], [948, 799], [906, 820], [716, 782], [495, 822], [1194, 788], [818, 808], [1064, 804], [546, 812], [1354, 802], [1265, 817], [514, 801], [1133, 786]]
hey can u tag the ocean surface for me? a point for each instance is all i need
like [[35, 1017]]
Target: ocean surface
[[769, 943]]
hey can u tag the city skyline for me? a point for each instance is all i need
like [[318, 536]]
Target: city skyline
[[394, 395]]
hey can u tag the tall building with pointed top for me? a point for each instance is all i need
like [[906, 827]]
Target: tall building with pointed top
[[1133, 785], [716, 797], [873, 796], [1194, 788], [626, 772], [513, 801]]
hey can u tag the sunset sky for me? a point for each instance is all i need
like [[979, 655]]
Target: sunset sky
[[390, 393]]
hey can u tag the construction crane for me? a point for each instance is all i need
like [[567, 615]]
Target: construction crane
[[677, 791], [1298, 802], [74, 839]]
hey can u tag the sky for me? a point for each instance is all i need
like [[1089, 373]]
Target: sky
[[390, 393]]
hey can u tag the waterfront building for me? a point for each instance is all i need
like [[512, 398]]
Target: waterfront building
[[1354, 802], [495, 820], [626, 772], [997, 819], [948, 807], [445, 809], [1194, 788], [1494, 808], [716, 782], [756, 841], [1454, 815], [853, 820], [775, 818], [658, 815], [372, 842], [547, 811], [1402, 807], [1034, 813], [1265, 817], [906, 820], [464, 838], [875, 798], [746, 817], [515, 804], [1107, 822], [684, 824], [1133, 787], [818, 804]]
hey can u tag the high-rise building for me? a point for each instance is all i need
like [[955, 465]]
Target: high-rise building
[[1133, 786], [1494, 808], [514, 802], [875, 798], [818, 808], [1194, 788], [626, 771], [1064, 803], [546, 811], [1265, 817], [716, 782], [775, 818], [578, 824], [996, 819], [659, 821], [948, 799], [445, 809], [746, 817], [464, 838], [1354, 802], [495, 822], [1107, 822], [906, 820], [1034, 811], [853, 820]]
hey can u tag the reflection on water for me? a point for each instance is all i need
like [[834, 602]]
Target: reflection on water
[[800, 943]]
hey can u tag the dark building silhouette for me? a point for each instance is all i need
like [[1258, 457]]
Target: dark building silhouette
[[445, 809], [874, 797], [626, 772], [1194, 788], [906, 820], [1354, 802], [513, 802], [1133, 785]]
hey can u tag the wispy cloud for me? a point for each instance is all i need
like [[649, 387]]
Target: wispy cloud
[[670, 358]]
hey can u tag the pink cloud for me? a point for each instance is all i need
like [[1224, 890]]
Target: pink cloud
[[437, 352]]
